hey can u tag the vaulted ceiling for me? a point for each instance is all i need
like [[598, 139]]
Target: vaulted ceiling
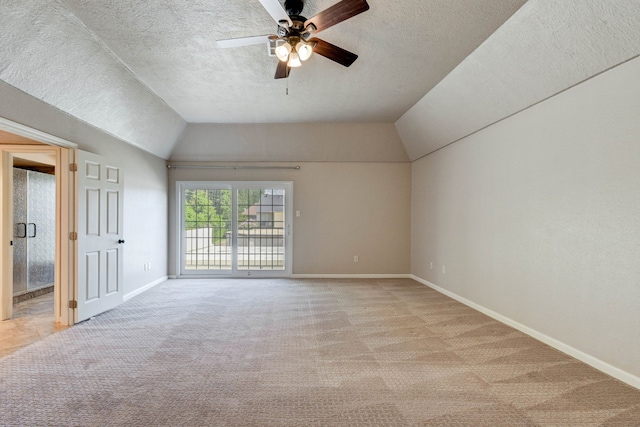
[[143, 71]]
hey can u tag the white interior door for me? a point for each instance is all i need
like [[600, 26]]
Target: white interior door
[[100, 237]]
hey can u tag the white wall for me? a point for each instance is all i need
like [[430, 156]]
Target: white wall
[[145, 178], [538, 218], [346, 209]]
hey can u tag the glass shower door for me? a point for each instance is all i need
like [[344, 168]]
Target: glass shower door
[[34, 218]]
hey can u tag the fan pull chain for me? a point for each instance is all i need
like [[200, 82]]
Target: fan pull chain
[[287, 87]]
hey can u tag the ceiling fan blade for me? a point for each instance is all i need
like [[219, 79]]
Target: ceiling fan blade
[[244, 41], [282, 72], [337, 13], [276, 11], [333, 52]]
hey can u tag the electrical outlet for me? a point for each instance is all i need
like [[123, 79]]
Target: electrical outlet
[[444, 270], [148, 266], [431, 264], [355, 258]]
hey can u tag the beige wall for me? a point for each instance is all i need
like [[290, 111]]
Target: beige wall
[[290, 142], [538, 218], [145, 179], [346, 209]]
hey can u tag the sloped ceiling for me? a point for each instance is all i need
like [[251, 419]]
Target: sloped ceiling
[[545, 48], [145, 71], [141, 70], [48, 53]]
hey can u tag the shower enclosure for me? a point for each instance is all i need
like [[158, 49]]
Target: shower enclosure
[[34, 238]]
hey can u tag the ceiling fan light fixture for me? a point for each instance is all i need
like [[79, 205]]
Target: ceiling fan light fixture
[[294, 60], [283, 51], [304, 50]]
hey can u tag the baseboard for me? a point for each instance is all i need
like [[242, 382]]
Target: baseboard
[[351, 276], [172, 276], [144, 288], [600, 365]]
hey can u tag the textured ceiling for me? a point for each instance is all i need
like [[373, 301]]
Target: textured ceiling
[[545, 48], [438, 69], [404, 47]]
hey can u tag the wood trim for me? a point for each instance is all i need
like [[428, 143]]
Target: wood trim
[[34, 134]]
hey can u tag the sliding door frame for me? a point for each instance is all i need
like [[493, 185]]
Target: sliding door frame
[[234, 186]]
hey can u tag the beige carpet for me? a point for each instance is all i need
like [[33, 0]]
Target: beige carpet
[[302, 353]]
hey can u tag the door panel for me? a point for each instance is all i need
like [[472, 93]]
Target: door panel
[[100, 251], [112, 212], [112, 271], [261, 229], [92, 276], [207, 230], [20, 259], [41, 229], [92, 209]]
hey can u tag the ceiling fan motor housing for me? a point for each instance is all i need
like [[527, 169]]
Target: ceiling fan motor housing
[[293, 7], [296, 29]]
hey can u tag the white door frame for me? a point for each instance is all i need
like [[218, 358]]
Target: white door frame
[[65, 272], [235, 185]]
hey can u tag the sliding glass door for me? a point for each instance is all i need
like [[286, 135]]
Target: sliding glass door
[[235, 228], [207, 229]]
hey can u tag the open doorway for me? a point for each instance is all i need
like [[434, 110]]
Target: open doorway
[[33, 242], [36, 216]]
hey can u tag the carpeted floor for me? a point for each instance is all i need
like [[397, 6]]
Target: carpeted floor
[[284, 352]]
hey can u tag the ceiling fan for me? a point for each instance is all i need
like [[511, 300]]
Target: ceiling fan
[[293, 42]]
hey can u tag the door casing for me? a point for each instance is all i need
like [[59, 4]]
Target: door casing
[[65, 277]]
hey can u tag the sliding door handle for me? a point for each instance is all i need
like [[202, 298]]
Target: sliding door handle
[[34, 230], [21, 234]]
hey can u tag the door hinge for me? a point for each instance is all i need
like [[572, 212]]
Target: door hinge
[[73, 304], [73, 167], [73, 235]]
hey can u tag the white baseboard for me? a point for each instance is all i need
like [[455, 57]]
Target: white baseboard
[[172, 276], [144, 288], [351, 276], [600, 365]]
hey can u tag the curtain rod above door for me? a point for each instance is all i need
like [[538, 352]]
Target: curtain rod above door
[[230, 167]]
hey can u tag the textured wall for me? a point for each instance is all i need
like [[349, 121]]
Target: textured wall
[[546, 47], [48, 53], [536, 217], [346, 209]]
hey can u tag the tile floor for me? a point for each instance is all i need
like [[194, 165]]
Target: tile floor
[[32, 320]]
